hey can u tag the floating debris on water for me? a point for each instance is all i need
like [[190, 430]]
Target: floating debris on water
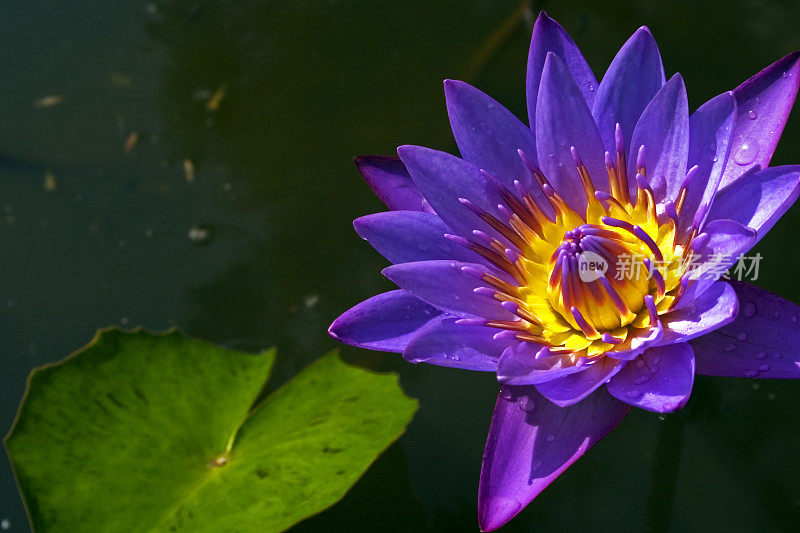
[[188, 170], [131, 141], [200, 234], [213, 103], [51, 100], [50, 183], [5, 524], [311, 301]]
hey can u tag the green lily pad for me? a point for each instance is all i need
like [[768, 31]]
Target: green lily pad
[[147, 432]]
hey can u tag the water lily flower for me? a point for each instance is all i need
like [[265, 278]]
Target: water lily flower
[[509, 259]]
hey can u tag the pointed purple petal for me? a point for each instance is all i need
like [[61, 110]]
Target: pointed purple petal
[[563, 120], [446, 343], [445, 286], [759, 200], [659, 380], [531, 442], [711, 310], [762, 342], [549, 36], [488, 135], [388, 178], [571, 389], [663, 129], [764, 102], [635, 75], [727, 239], [520, 366], [443, 179], [710, 129], [407, 236], [385, 322]]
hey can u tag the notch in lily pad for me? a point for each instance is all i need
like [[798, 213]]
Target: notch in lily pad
[[161, 432]]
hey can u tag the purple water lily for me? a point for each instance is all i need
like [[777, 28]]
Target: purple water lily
[[580, 258]]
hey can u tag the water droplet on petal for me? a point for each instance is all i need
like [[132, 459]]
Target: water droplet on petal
[[742, 336], [761, 355], [752, 114], [526, 404], [633, 394], [763, 368], [655, 360], [749, 309], [506, 393], [730, 348], [654, 370], [794, 318], [639, 363], [750, 373], [776, 314], [642, 380], [747, 153], [551, 438], [786, 74], [537, 465]]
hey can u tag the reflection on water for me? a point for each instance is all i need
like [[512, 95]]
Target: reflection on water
[[189, 163]]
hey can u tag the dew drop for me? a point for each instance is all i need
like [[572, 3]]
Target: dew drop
[[761, 356], [654, 370], [752, 114], [655, 360], [639, 363], [642, 380], [750, 373], [749, 309], [742, 336], [786, 74], [776, 314], [526, 404], [551, 438], [730, 348], [506, 393], [763, 368], [537, 465], [794, 318], [747, 153], [633, 394]]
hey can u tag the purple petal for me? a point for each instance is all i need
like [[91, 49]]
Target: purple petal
[[764, 102], [571, 389], [759, 200], [549, 36], [388, 178], [663, 129], [762, 342], [385, 322], [710, 130], [443, 285], [712, 309], [530, 364], [727, 239], [659, 380], [443, 179], [635, 75], [446, 343], [488, 135], [407, 236], [531, 442], [563, 120]]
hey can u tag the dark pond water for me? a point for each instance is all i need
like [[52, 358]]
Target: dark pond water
[[268, 101]]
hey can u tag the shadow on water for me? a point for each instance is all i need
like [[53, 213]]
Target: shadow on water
[[269, 102]]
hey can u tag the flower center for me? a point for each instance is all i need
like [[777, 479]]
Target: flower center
[[589, 283]]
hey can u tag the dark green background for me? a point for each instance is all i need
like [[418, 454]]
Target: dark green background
[[309, 85]]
